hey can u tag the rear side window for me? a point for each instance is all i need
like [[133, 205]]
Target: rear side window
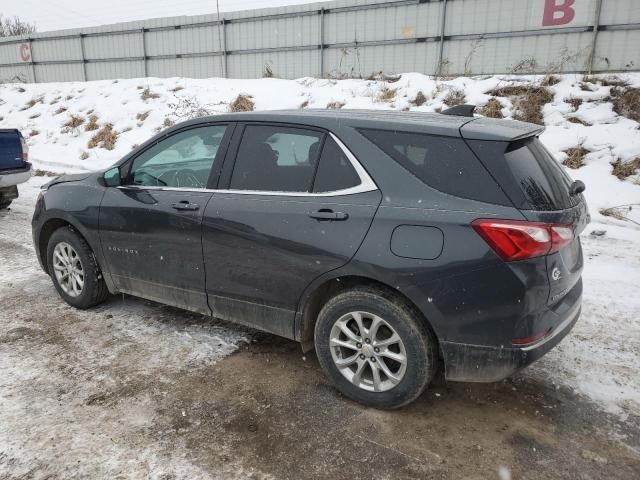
[[335, 171], [444, 163], [544, 184], [276, 159]]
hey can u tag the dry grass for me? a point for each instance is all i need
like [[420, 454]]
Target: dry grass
[[550, 81], [575, 103], [242, 103], [68, 97], [624, 170], [626, 102], [579, 121], [575, 157], [387, 94], [177, 89], [168, 123], [55, 100], [611, 82], [73, 122], [527, 100], [380, 76], [142, 116], [20, 89], [35, 115], [84, 155], [619, 213], [420, 99], [43, 173], [32, 103], [147, 94], [455, 97], [92, 124], [106, 138], [335, 105], [492, 109], [34, 132], [304, 104], [60, 110]]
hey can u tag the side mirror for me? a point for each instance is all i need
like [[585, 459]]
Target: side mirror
[[112, 177]]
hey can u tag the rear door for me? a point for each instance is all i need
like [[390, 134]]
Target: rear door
[[150, 227], [297, 205]]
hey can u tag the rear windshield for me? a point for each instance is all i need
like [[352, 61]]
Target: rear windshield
[[444, 163], [541, 179]]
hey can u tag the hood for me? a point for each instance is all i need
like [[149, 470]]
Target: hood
[[69, 177]]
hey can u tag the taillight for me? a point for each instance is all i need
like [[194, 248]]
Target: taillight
[[25, 149], [523, 341], [518, 240]]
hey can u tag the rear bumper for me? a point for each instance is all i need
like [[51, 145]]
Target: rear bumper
[[9, 178], [476, 363]]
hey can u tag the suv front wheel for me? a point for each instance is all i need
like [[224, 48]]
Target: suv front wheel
[[74, 269], [375, 348]]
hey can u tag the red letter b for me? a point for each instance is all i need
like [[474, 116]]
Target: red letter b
[[552, 9]]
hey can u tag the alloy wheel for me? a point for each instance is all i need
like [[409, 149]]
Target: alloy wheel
[[68, 269]]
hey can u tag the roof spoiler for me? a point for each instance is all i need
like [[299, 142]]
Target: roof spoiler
[[460, 111]]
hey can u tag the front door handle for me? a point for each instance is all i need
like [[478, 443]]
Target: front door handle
[[185, 205], [328, 214]]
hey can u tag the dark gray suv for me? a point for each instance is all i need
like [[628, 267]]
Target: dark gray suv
[[393, 243]]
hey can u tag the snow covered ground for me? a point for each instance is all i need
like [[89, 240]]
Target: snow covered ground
[[601, 359]]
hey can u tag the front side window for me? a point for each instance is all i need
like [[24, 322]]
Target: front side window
[[183, 160], [276, 159]]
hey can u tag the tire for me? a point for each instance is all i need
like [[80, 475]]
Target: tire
[[5, 204], [94, 290], [417, 343]]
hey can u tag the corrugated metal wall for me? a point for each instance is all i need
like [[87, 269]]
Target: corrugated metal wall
[[343, 38]]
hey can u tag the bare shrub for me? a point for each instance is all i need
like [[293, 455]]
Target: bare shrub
[[148, 94], [387, 94], [575, 103], [142, 116], [492, 109], [106, 138], [420, 99], [242, 103], [455, 97], [190, 107], [528, 101], [11, 26], [624, 170], [626, 102], [84, 155], [575, 157], [335, 105], [267, 72], [60, 110], [92, 124]]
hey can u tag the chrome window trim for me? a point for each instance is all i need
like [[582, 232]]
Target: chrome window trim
[[366, 183]]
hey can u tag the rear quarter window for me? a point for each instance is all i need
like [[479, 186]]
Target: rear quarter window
[[444, 163]]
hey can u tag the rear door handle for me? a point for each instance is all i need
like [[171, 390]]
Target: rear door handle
[[185, 205], [328, 214]]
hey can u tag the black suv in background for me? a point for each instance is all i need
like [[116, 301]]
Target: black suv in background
[[14, 168], [392, 242]]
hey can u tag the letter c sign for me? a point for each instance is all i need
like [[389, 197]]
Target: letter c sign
[[558, 12], [24, 52]]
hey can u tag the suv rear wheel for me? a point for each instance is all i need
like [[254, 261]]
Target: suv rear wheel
[[375, 348], [74, 269]]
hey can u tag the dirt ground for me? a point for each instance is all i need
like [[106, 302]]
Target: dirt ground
[[136, 390]]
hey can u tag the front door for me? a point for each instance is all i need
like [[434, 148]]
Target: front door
[[295, 208], [150, 227]]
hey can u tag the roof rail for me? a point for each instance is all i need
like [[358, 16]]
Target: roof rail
[[460, 111]]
